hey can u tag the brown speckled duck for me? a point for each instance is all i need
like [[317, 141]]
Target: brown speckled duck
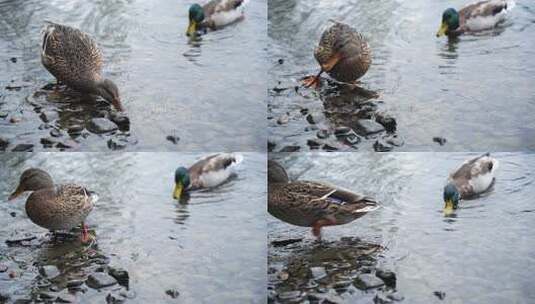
[[74, 58], [54, 207], [343, 53], [312, 204]]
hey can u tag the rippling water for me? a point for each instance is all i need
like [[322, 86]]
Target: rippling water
[[210, 250], [169, 86], [485, 254], [476, 92]]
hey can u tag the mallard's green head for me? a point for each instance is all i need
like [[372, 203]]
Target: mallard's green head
[[181, 182], [196, 16], [450, 22], [451, 198]]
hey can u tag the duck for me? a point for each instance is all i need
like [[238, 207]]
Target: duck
[[343, 53], [54, 207], [210, 171], [313, 204], [472, 178], [214, 15], [74, 58], [475, 17]]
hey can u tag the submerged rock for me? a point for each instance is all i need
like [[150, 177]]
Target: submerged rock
[[172, 138], [290, 149], [440, 294], [367, 281], [387, 276], [120, 275], [48, 116], [368, 127], [313, 143], [314, 118], [440, 140], [49, 271], [4, 142], [173, 293], [121, 120], [323, 133], [48, 296], [99, 280], [387, 121], [101, 125], [23, 148]]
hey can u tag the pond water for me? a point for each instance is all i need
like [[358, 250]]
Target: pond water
[[475, 92], [169, 86], [484, 254], [212, 249]]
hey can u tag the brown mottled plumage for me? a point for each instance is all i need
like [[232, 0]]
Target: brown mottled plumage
[[343, 53], [74, 58], [54, 207], [312, 204]]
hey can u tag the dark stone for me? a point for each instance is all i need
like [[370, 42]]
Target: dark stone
[[17, 85], [55, 133], [381, 146], [116, 144], [283, 119], [49, 271], [281, 61], [48, 116], [387, 121], [20, 301], [48, 141], [3, 114], [121, 120], [323, 133], [114, 298], [313, 143], [4, 142], [23, 148], [329, 147], [15, 119], [304, 111], [75, 130], [290, 149], [49, 296], [173, 293], [287, 242], [342, 131], [271, 145], [367, 281], [440, 294], [99, 280], [173, 139], [367, 127], [101, 125], [387, 276], [440, 140], [13, 59], [120, 275], [74, 283], [313, 118]]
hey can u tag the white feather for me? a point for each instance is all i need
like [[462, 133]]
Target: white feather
[[482, 182], [223, 18], [215, 178], [488, 22]]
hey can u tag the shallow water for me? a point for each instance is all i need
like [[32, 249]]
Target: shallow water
[[475, 92], [210, 250], [484, 254], [169, 86]]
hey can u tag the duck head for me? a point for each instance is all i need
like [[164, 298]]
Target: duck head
[[196, 16], [182, 181], [32, 180], [451, 198], [450, 22], [109, 91]]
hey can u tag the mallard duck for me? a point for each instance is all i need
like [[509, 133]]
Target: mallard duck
[[54, 207], [343, 53], [313, 204], [474, 17], [208, 172], [472, 178], [214, 15], [74, 58]]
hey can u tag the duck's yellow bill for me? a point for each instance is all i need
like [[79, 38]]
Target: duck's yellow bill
[[448, 209], [192, 28], [442, 30], [178, 191]]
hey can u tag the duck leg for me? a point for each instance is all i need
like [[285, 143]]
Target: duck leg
[[316, 227], [325, 67], [312, 81]]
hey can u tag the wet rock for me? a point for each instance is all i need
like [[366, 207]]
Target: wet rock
[[48, 141], [3, 268], [120, 275], [387, 276], [440, 140], [55, 133], [116, 144], [381, 146], [99, 280], [318, 273], [394, 140], [3, 114], [121, 120], [66, 297], [13, 59], [114, 298], [314, 118], [49, 271], [352, 139], [329, 147], [75, 130], [381, 299], [290, 149], [280, 61], [313, 144], [368, 127], [304, 111], [23, 148], [283, 119], [290, 296], [48, 296], [101, 125], [271, 146], [323, 133], [172, 138], [67, 144], [388, 122], [367, 281], [440, 294], [4, 142], [75, 283], [173, 293], [282, 243], [279, 89], [48, 116]]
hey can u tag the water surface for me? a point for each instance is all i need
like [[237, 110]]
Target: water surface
[[483, 254], [210, 250]]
